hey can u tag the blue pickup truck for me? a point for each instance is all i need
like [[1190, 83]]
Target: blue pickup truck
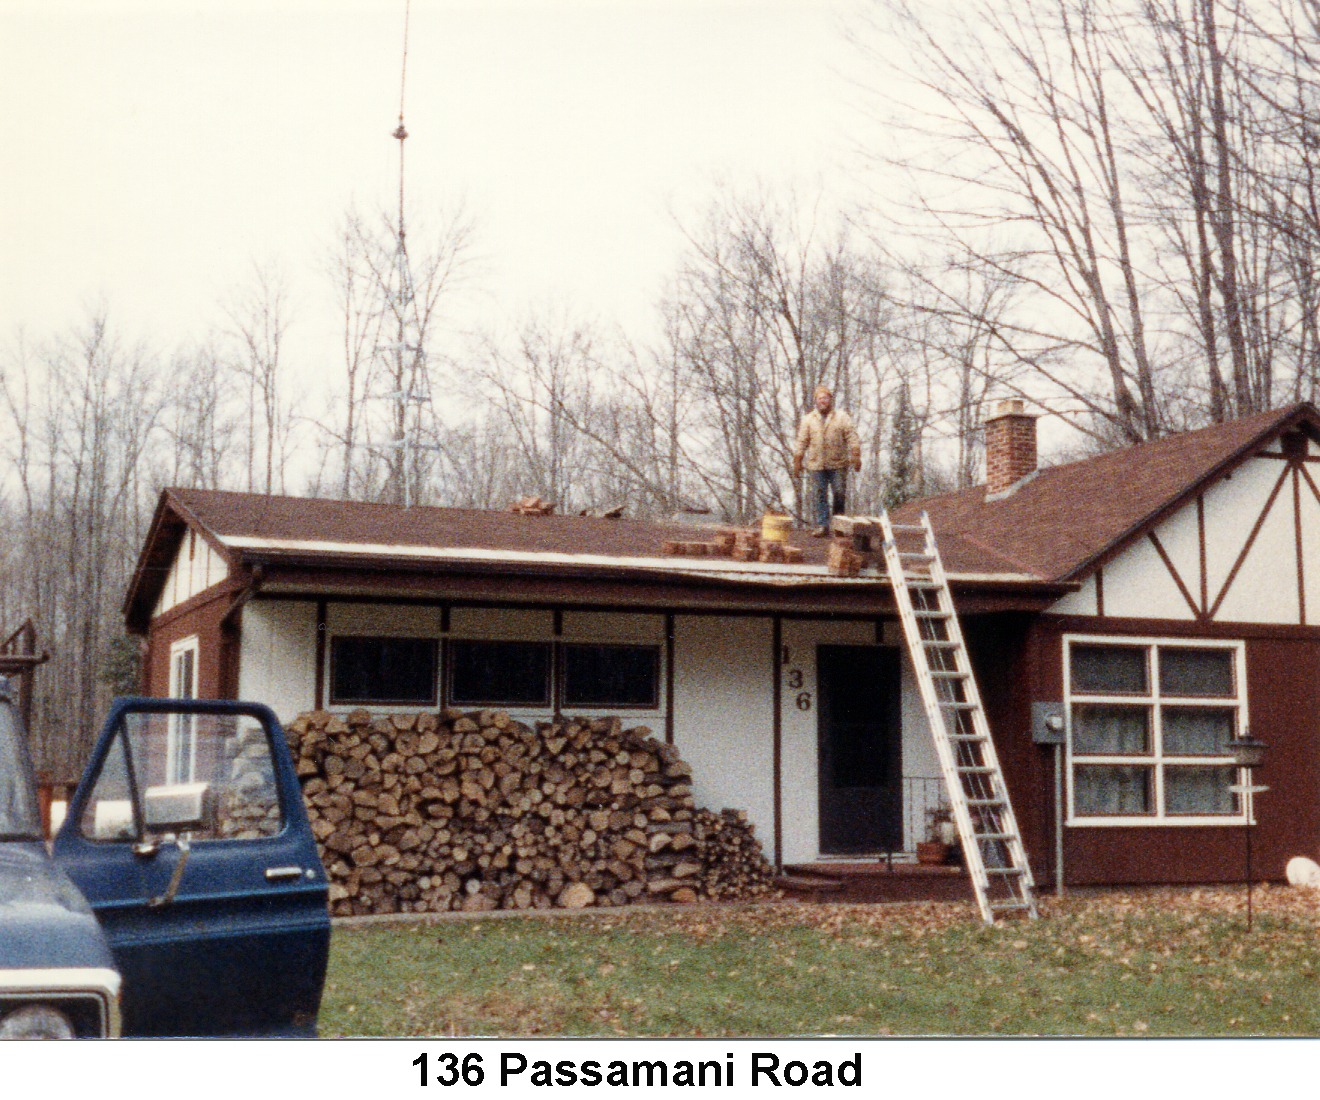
[[183, 894]]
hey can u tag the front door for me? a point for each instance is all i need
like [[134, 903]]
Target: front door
[[859, 736], [189, 838]]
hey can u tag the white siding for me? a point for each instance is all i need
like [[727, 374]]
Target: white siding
[[799, 752], [1265, 587], [1231, 510], [919, 758], [596, 626], [724, 714], [196, 567], [278, 665], [383, 620], [498, 622], [1138, 585], [1311, 546], [1081, 602]]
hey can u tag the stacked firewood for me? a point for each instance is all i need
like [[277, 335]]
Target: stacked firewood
[[476, 811]]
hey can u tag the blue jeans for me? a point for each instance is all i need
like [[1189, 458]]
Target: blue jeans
[[822, 482]]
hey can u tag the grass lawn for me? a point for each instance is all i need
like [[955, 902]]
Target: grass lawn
[[1153, 963]]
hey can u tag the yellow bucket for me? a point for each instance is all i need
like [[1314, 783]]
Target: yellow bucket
[[775, 528]]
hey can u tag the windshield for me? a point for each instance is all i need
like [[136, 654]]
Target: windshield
[[18, 802]]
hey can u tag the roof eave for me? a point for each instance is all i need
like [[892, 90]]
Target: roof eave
[[1035, 591]]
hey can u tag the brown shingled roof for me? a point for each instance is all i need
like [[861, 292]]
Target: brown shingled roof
[[329, 534], [1065, 520]]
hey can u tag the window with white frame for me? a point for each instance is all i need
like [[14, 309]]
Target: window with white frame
[[1149, 722], [181, 742]]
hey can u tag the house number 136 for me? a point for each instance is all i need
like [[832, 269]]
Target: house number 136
[[795, 682]]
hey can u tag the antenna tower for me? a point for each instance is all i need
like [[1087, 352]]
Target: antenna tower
[[405, 360]]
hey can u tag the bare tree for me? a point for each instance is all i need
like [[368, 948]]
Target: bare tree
[[766, 307], [1138, 171], [83, 413], [259, 315]]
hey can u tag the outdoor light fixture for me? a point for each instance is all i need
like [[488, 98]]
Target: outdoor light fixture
[[1248, 754], [1248, 751]]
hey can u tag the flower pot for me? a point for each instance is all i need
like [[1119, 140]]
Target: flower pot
[[932, 851]]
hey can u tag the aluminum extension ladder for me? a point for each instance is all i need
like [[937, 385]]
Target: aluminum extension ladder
[[992, 846]]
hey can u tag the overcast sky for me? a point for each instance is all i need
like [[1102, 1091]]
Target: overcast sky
[[153, 150]]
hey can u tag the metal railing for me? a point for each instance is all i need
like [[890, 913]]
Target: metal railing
[[921, 795]]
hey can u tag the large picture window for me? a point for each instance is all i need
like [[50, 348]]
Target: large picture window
[[1148, 726], [497, 673], [611, 675], [383, 670]]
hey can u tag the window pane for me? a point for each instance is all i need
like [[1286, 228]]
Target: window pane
[[1100, 730], [611, 675], [108, 814], [382, 670], [1205, 672], [19, 815], [500, 673], [1109, 670], [209, 776], [1101, 790], [1199, 790], [1197, 731]]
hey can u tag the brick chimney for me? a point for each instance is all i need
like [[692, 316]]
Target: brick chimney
[[1010, 445]]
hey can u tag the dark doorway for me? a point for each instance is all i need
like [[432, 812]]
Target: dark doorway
[[859, 736]]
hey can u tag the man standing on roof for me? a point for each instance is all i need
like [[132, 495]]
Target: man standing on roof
[[827, 445]]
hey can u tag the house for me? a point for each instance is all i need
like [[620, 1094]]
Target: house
[[1154, 599]]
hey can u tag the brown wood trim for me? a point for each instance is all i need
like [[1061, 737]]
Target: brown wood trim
[[851, 602], [219, 591], [1297, 532], [1197, 613], [777, 659], [669, 678], [192, 522], [1246, 547], [322, 642], [1309, 481], [1100, 592], [1181, 628], [557, 667], [1200, 538]]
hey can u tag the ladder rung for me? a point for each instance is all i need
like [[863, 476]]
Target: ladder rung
[[993, 836], [907, 528], [982, 801], [1005, 870], [975, 769], [1005, 906], [948, 674], [931, 614], [905, 555], [957, 704], [939, 643], [968, 737]]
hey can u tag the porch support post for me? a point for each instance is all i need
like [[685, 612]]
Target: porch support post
[[777, 644]]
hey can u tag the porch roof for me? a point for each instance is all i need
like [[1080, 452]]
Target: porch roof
[[329, 542]]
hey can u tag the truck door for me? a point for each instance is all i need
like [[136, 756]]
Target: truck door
[[189, 838]]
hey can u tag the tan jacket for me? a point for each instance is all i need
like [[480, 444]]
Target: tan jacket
[[827, 442]]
